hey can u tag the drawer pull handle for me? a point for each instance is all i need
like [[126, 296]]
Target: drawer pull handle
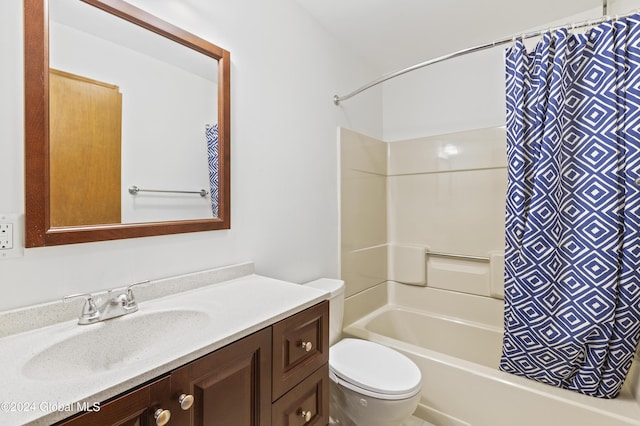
[[162, 416], [185, 401], [306, 415], [307, 346]]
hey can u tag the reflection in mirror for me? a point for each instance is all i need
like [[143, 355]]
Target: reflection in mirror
[[137, 141], [166, 93]]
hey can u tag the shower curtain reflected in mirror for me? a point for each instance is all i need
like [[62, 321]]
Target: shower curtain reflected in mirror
[[212, 154], [572, 257]]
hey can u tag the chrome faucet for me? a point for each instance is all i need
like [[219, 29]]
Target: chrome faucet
[[122, 303]]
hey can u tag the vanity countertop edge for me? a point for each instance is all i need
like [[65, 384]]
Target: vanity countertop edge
[[236, 308]]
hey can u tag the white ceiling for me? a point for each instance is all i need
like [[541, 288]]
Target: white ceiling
[[394, 34]]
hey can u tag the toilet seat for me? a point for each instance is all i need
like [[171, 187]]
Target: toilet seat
[[374, 370]]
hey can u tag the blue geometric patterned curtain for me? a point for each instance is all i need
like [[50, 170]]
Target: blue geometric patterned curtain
[[212, 154], [572, 259]]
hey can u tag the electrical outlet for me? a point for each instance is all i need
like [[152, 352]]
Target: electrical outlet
[[6, 236], [11, 244]]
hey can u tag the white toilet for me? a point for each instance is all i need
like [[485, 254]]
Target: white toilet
[[371, 384]]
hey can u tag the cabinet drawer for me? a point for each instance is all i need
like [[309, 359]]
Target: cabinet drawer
[[133, 408], [310, 398], [300, 347]]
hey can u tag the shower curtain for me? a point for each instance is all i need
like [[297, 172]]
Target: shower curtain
[[572, 258], [212, 154]]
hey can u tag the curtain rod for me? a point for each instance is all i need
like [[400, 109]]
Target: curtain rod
[[337, 99]]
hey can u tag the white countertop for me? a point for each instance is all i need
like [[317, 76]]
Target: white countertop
[[226, 311]]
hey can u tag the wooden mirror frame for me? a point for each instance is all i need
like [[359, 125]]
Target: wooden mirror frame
[[38, 231]]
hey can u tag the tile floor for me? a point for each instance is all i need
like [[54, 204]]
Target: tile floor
[[414, 421]]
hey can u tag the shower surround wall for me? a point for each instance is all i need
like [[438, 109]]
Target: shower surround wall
[[438, 193], [363, 211], [442, 193]]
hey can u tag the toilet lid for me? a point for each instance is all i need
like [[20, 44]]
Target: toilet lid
[[373, 369]]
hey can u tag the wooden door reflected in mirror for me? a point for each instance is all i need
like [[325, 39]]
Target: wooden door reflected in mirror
[[85, 145]]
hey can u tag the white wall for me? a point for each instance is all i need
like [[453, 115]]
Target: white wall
[[463, 93], [284, 190]]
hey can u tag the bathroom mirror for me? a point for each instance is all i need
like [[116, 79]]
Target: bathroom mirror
[[165, 180]]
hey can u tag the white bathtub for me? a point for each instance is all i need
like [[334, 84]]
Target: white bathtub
[[455, 339]]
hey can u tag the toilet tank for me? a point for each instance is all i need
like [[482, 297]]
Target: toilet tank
[[336, 305]]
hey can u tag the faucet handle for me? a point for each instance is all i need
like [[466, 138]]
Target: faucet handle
[[89, 310], [131, 300]]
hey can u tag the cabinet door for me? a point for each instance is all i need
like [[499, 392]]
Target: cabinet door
[[230, 387], [135, 408]]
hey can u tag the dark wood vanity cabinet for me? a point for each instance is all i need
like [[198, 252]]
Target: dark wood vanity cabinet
[[300, 382], [276, 376]]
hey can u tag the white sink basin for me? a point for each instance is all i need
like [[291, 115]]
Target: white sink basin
[[115, 343]]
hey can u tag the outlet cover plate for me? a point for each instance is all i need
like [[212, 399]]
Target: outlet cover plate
[[11, 235]]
